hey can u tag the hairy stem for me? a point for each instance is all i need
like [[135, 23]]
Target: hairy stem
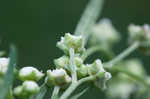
[[55, 92], [124, 54], [42, 92], [89, 17], [94, 49], [72, 65], [74, 85]]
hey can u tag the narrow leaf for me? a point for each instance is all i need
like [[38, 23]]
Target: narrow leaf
[[8, 78], [42, 92], [89, 18], [79, 94]]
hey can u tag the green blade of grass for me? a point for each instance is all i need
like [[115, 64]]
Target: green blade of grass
[[89, 18], [8, 78]]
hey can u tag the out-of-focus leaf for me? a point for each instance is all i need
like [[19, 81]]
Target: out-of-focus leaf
[[79, 94], [8, 78], [2, 53]]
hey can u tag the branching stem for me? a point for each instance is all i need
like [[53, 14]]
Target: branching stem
[[124, 54], [94, 49], [74, 85], [55, 92]]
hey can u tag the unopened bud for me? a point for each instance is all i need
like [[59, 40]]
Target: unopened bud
[[18, 91], [96, 67], [62, 62], [30, 73], [30, 87], [82, 71], [71, 41], [57, 77]]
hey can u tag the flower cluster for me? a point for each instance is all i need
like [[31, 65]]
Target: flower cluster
[[29, 75], [72, 61]]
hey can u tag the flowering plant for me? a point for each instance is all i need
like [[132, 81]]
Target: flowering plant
[[125, 78]]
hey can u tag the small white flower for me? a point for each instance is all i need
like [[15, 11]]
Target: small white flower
[[30, 87], [96, 67], [30, 73], [3, 65]]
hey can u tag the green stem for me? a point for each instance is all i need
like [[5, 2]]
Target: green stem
[[73, 65], [89, 17], [124, 54], [74, 85], [71, 88], [42, 92], [55, 92], [94, 49]]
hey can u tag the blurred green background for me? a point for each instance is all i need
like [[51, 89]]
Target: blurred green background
[[35, 26]]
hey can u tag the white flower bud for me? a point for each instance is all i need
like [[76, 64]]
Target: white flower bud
[[3, 65], [57, 77], [30, 87], [78, 61], [30, 73], [96, 67], [18, 91], [62, 62], [82, 71], [71, 41]]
